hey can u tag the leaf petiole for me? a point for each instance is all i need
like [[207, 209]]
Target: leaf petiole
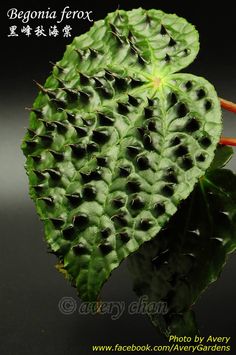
[[228, 105], [228, 141]]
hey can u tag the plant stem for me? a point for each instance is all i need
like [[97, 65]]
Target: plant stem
[[228, 105], [228, 141]]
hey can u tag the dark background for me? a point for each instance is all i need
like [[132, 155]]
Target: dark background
[[30, 288]]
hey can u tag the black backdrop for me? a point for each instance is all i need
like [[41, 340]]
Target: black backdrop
[[30, 288]]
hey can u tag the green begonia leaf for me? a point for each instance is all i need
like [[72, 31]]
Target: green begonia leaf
[[187, 256], [223, 154], [116, 137]]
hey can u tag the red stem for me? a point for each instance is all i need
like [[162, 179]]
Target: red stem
[[228, 141], [228, 105]]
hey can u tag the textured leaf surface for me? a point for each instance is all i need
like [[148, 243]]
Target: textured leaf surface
[[186, 257], [117, 140]]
